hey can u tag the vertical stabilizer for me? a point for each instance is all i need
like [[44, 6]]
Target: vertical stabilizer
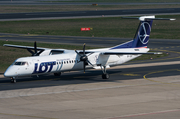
[[141, 38], [142, 35]]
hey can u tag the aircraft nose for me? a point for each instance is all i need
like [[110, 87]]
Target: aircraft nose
[[10, 72], [6, 74]]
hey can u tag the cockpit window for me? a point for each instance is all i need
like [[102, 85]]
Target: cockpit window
[[21, 63]]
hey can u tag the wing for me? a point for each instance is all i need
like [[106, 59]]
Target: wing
[[24, 47], [37, 50]]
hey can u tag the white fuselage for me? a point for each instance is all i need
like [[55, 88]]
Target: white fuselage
[[67, 61]]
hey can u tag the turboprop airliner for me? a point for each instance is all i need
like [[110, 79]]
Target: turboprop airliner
[[45, 60]]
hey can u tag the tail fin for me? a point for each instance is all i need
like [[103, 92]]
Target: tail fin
[[141, 37]]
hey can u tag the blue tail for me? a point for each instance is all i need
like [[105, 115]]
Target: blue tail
[[141, 38]]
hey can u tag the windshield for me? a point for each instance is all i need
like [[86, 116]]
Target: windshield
[[21, 63]]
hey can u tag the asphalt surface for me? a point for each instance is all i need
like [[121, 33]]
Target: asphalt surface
[[76, 95], [54, 2], [86, 14]]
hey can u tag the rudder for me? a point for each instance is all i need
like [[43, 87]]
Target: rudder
[[141, 38]]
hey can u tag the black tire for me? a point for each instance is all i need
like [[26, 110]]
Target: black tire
[[57, 74], [105, 76], [13, 80]]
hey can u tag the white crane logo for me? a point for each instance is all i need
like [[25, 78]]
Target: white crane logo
[[143, 35]]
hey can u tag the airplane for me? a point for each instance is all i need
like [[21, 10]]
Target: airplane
[[45, 60]]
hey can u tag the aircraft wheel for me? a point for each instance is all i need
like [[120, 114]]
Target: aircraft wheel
[[105, 76], [13, 80], [57, 74]]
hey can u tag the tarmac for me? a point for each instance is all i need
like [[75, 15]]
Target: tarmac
[[156, 97], [129, 99]]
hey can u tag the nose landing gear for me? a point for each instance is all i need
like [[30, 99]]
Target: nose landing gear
[[13, 80]]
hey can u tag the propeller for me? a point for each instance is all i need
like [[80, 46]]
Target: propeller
[[35, 53], [84, 57]]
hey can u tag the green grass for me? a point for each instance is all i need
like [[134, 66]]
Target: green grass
[[102, 27]]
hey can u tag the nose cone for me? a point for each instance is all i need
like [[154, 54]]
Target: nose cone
[[10, 72], [7, 74]]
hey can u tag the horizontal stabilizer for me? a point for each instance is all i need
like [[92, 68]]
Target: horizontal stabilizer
[[146, 18], [129, 53]]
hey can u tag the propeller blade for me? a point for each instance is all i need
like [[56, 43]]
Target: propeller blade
[[31, 52], [77, 52], [34, 51], [84, 48], [83, 58], [84, 66], [35, 48], [89, 62]]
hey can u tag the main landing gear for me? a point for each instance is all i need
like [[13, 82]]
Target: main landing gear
[[13, 80], [57, 74], [104, 75]]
